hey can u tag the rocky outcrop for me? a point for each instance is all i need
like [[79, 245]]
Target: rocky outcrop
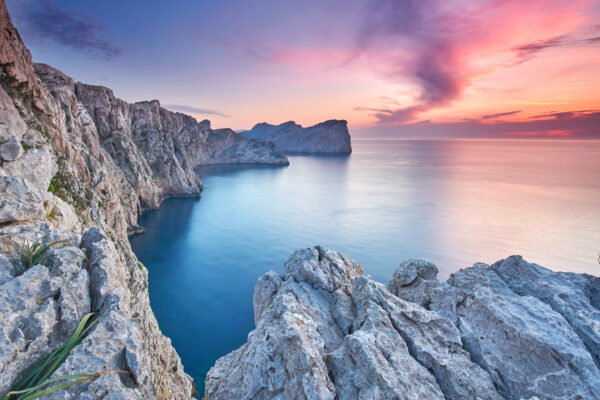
[[324, 330], [78, 165], [327, 137]]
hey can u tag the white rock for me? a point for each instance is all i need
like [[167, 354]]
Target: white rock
[[527, 348], [414, 280], [11, 149], [38, 166], [326, 331], [19, 200]]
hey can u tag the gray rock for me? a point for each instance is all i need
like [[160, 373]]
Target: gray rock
[[567, 293], [326, 331], [431, 340], [61, 214], [19, 200], [40, 309], [11, 149], [528, 349], [327, 137], [36, 165], [7, 268], [414, 281]]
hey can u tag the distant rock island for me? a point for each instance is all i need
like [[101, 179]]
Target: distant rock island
[[327, 137], [325, 330]]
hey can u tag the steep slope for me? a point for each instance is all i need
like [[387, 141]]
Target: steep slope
[[78, 165], [327, 137], [324, 330]]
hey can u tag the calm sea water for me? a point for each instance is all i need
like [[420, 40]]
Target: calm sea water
[[453, 202]]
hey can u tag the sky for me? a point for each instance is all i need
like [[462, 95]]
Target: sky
[[392, 68]]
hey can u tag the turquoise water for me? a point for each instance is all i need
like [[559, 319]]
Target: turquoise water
[[453, 202]]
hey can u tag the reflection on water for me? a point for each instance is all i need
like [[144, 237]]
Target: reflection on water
[[454, 202]]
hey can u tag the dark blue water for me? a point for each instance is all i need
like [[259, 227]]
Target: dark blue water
[[454, 202]]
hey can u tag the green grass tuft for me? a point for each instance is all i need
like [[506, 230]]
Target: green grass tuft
[[33, 254], [26, 146], [37, 382]]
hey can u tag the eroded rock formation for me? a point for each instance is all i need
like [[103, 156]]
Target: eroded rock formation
[[324, 330]]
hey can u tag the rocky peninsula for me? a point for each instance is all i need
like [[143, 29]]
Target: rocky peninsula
[[327, 137]]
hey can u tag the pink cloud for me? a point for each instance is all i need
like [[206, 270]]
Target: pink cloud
[[450, 42]]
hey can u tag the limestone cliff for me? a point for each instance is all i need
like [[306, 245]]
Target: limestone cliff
[[327, 137], [324, 330], [78, 165]]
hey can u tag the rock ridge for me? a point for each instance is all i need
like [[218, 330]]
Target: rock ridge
[[325, 330]]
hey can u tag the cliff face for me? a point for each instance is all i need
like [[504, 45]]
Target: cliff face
[[78, 165], [327, 137], [324, 330]]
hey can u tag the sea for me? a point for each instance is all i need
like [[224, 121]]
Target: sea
[[453, 202]]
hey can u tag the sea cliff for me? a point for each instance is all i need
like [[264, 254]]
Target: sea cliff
[[78, 165]]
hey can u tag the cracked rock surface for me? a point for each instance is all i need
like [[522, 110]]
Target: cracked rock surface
[[324, 330]]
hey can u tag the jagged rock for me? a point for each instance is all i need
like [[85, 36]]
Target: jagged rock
[[11, 149], [431, 340], [19, 200], [265, 288], [414, 280], [41, 308], [324, 331], [37, 165], [61, 214], [7, 268], [327, 137], [528, 349], [567, 293], [29, 315]]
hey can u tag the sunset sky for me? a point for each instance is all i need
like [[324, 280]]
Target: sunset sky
[[392, 68]]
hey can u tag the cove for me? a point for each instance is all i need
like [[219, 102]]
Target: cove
[[453, 202]]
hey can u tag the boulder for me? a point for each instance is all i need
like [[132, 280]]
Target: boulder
[[38, 166], [528, 349], [11, 149], [414, 280], [19, 200]]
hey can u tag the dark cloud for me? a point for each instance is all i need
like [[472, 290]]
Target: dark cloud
[[432, 61], [45, 22], [194, 110], [584, 124], [498, 115], [530, 50], [567, 114]]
